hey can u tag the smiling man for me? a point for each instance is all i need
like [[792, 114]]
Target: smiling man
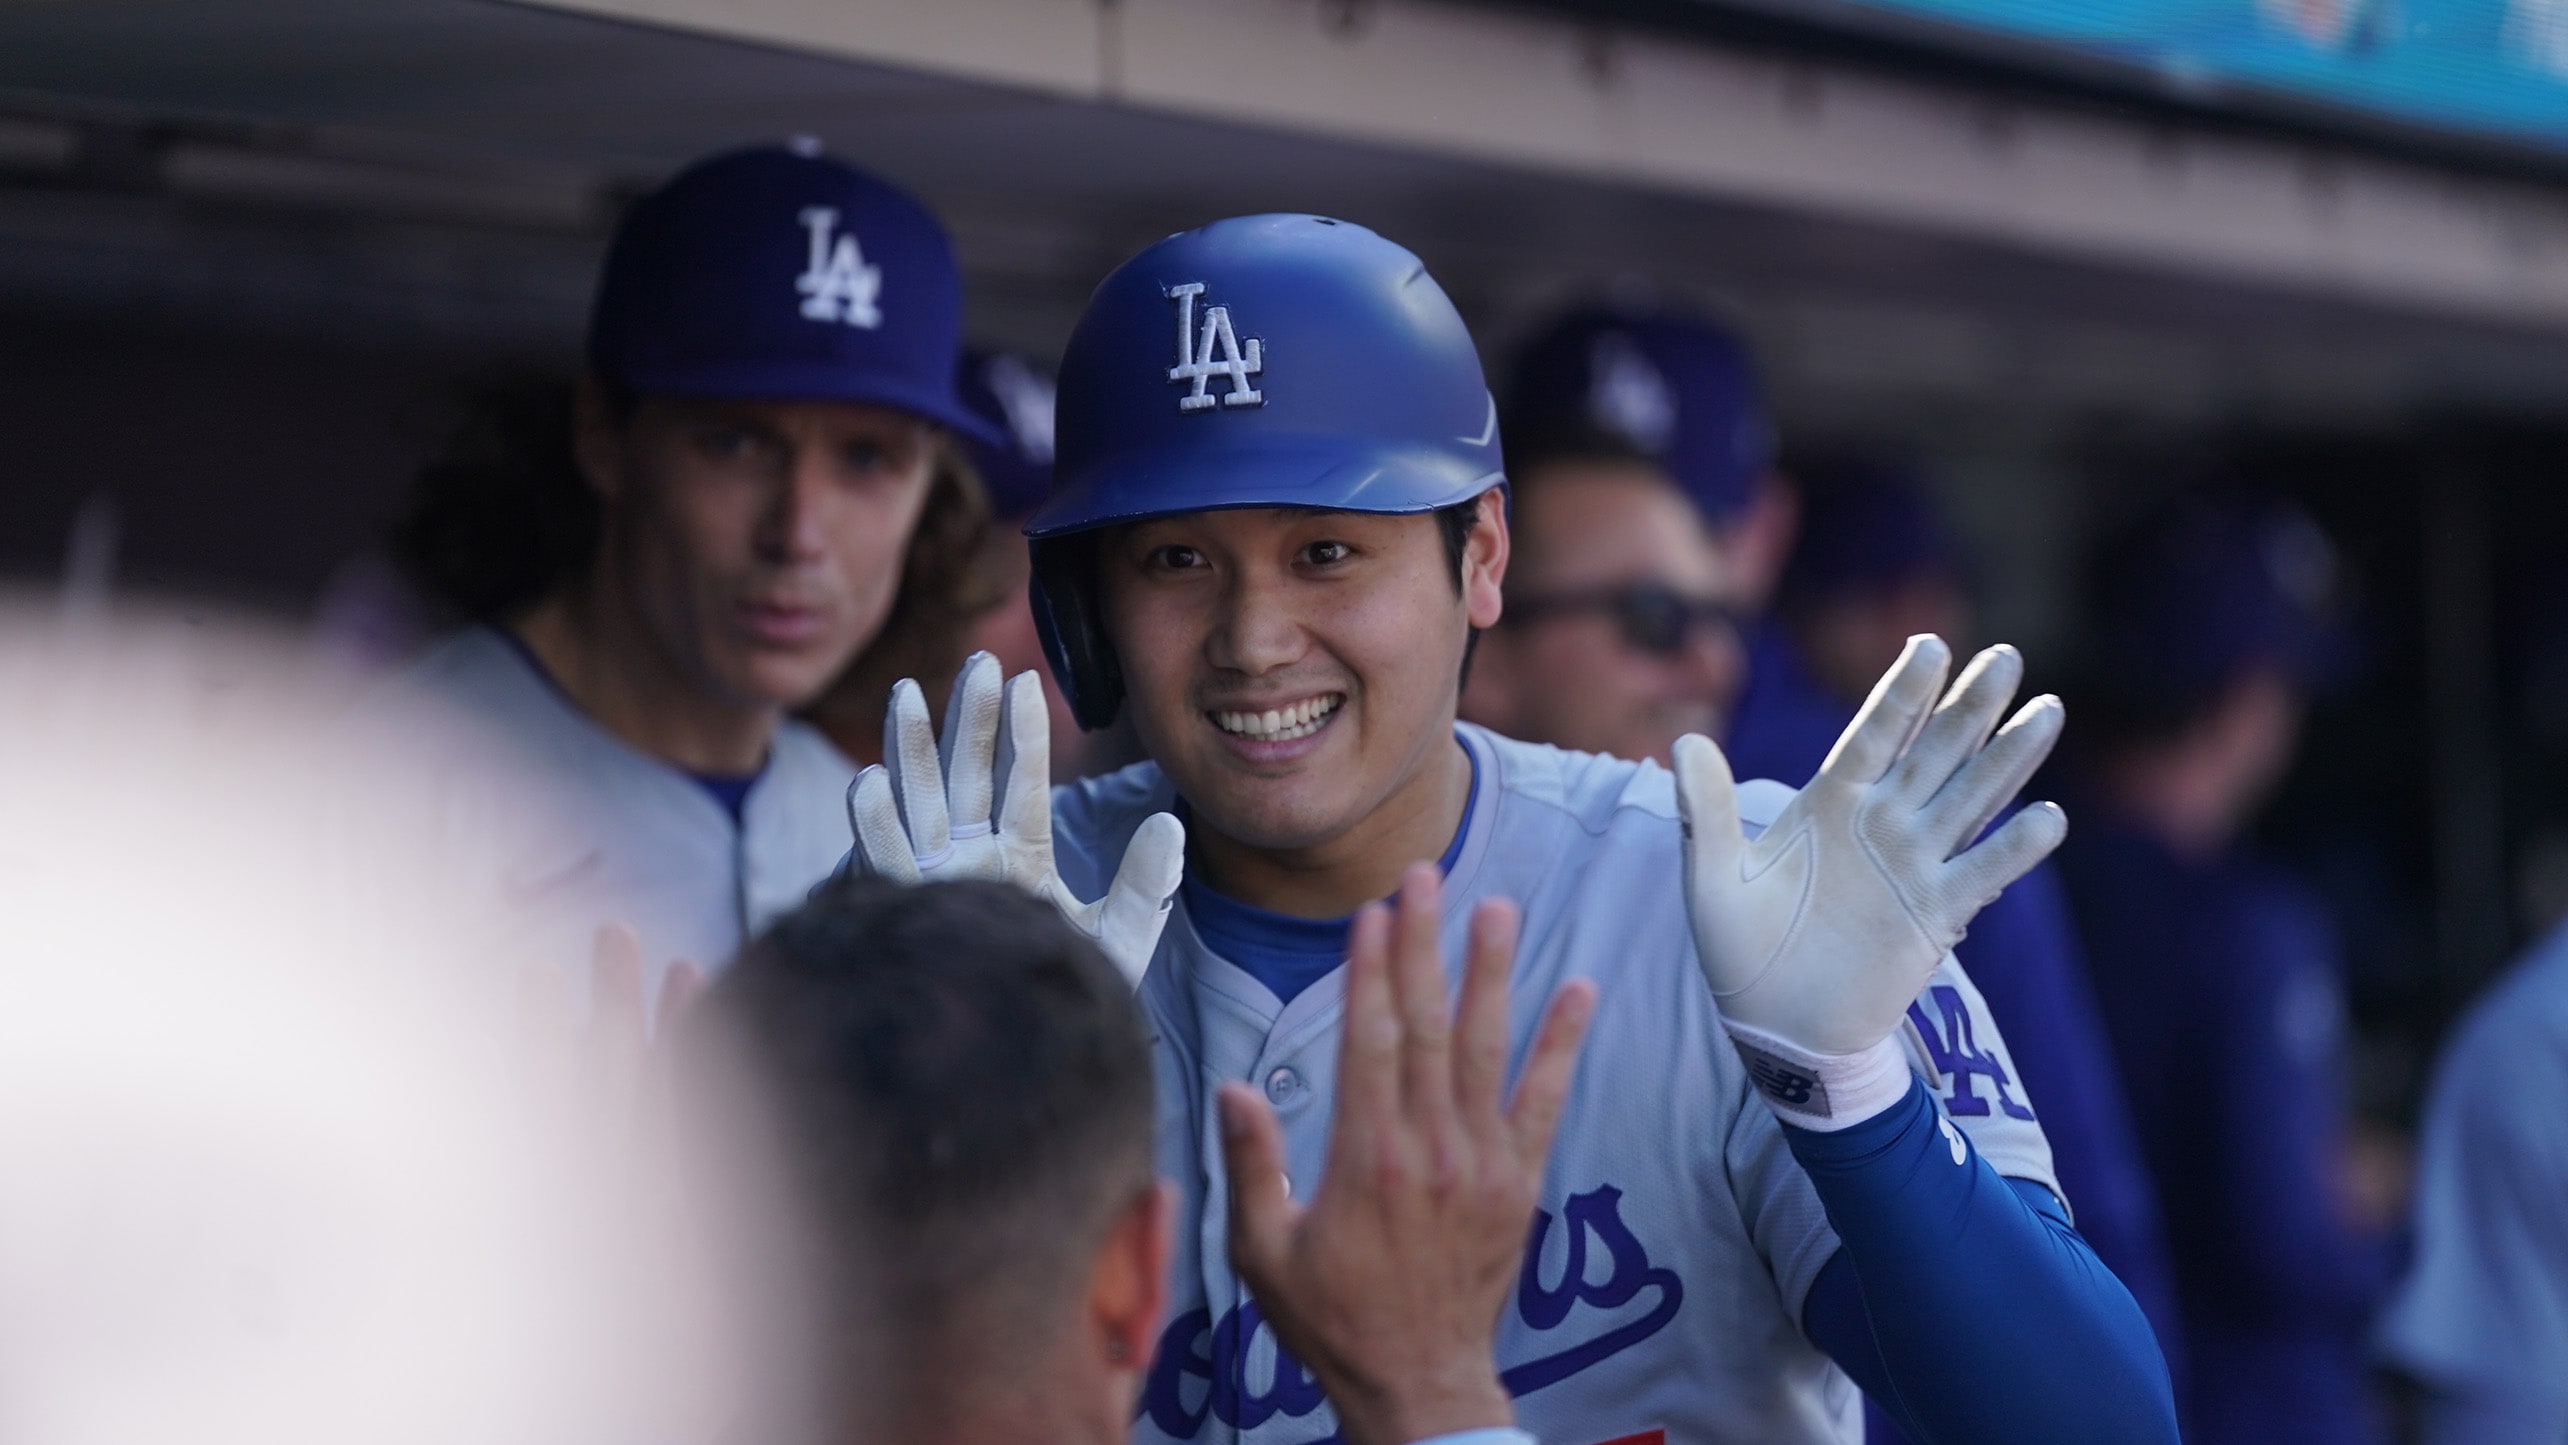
[[1277, 526], [766, 418]]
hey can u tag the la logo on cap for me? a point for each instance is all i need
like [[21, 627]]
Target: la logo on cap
[[836, 284]]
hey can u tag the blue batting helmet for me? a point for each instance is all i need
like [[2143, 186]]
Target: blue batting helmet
[[1265, 361]]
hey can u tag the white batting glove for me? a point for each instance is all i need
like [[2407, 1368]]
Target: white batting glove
[[1816, 936], [926, 815]]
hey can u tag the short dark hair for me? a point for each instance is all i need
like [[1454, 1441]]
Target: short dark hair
[[962, 1086], [1455, 524]]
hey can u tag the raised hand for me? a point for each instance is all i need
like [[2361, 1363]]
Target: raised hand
[[1389, 1284], [978, 804], [1816, 936]]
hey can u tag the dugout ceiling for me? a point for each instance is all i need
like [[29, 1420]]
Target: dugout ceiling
[[411, 189], [446, 168]]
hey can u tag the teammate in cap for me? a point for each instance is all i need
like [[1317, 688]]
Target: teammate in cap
[[763, 425], [1278, 518], [2219, 973]]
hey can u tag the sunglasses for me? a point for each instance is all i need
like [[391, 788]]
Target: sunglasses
[[1652, 616]]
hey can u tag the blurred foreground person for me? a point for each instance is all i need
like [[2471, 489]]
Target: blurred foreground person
[[2218, 974], [1875, 564], [993, 613], [2481, 1320], [764, 482], [965, 1084], [280, 1172], [1617, 635]]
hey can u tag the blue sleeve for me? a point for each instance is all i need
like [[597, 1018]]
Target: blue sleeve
[[1969, 1312], [2022, 952]]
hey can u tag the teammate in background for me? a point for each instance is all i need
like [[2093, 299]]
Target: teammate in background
[[1015, 397], [1275, 553], [2481, 1321], [1871, 567], [965, 1084], [2218, 974], [1618, 634], [755, 476]]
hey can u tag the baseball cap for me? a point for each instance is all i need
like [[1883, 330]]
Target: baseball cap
[[1015, 396], [1673, 387], [779, 273], [2212, 585], [1867, 526]]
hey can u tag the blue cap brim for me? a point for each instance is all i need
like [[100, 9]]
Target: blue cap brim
[[771, 381], [1328, 476]]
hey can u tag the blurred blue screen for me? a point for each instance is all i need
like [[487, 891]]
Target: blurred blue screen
[[2491, 68]]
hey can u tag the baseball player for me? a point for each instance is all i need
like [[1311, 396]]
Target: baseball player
[[1278, 518], [765, 420], [2219, 974]]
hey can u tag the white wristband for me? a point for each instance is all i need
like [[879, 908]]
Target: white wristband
[[1821, 1092], [1492, 1435]]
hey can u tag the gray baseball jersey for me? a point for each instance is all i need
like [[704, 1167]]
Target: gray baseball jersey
[[620, 835], [1676, 1237]]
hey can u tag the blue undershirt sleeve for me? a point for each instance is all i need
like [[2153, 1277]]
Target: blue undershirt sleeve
[[1964, 1304]]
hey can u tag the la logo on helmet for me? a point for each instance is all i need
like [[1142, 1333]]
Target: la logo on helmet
[[837, 285], [1215, 351]]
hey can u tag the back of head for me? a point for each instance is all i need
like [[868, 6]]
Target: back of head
[[963, 1084]]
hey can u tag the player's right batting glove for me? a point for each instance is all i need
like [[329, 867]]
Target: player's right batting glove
[[1817, 935], [927, 813]]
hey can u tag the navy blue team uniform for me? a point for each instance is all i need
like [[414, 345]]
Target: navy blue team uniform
[[2220, 976], [2219, 983]]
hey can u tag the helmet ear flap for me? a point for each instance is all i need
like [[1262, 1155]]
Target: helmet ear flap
[[1064, 598]]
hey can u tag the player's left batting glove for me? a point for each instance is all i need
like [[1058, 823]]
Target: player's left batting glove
[[927, 815], [1816, 936]]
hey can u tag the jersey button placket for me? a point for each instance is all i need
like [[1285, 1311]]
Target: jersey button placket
[[1284, 1087]]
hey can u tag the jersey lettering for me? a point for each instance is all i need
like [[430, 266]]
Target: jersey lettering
[[1201, 1371], [1216, 351], [1954, 1047]]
